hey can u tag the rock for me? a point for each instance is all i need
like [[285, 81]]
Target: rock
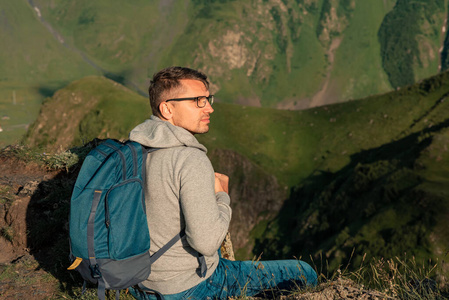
[[255, 195], [29, 188], [13, 220], [339, 289], [227, 251]]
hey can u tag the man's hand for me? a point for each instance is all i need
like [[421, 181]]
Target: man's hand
[[221, 183]]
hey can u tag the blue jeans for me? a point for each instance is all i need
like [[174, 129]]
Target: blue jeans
[[237, 278]]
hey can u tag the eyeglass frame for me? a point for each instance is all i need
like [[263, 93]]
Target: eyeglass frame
[[209, 98]]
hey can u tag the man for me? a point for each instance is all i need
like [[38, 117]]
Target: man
[[183, 194]]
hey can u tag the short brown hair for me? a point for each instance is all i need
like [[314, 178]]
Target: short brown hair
[[167, 80]]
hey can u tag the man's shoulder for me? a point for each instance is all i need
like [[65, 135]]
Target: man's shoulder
[[191, 157], [192, 153]]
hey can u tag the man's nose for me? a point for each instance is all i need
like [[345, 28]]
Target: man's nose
[[208, 108]]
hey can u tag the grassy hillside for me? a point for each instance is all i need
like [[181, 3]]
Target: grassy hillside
[[389, 201], [31, 54], [357, 71], [422, 39], [33, 64], [294, 144], [85, 109], [124, 38], [388, 198]]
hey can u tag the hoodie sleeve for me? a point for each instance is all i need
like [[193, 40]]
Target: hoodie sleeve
[[206, 214]]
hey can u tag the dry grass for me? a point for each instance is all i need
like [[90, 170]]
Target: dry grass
[[379, 278]]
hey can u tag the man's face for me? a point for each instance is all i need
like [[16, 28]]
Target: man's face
[[186, 114]]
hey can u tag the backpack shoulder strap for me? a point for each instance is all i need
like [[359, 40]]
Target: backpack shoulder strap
[[201, 260], [167, 246]]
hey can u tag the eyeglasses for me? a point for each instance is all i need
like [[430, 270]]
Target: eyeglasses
[[201, 101]]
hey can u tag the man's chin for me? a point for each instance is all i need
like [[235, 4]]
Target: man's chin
[[200, 130]]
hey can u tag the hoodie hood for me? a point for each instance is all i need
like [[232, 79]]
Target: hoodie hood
[[156, 133]]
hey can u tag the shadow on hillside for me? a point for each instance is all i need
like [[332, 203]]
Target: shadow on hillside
[[119, 78], [122, 79], [48, 229], [327, 210], [48, 91]]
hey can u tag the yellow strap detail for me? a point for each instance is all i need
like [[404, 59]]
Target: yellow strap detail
[[75, 264]]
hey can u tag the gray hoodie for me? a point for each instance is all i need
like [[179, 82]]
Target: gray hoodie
[[179, 194]]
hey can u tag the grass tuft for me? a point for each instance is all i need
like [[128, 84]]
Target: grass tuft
[[62, 160], [394, 278], [8, 233]]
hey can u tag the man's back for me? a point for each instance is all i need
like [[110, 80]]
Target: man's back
[[180, 195]]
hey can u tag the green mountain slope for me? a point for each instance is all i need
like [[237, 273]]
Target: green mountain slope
[[125, 38], [388, 198], [388, 201], [372, 173], [290, 54], [357, 69], [412, 54], [32, 65], [88, 108], [270, 53]]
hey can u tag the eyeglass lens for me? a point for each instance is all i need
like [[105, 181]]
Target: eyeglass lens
[[202, 101]]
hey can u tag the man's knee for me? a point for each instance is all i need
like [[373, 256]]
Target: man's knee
[[310, 275]]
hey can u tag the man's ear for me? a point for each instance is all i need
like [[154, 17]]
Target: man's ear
[[166, 110]]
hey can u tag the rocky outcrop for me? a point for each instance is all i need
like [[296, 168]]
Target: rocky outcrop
[[255, 195], [18, 182]]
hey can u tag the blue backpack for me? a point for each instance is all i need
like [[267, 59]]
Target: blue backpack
[[109, 236]]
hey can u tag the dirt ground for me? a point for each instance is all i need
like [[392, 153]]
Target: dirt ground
[[21, 276]]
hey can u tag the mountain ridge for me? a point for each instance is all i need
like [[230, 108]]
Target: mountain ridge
[[289, 54]]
